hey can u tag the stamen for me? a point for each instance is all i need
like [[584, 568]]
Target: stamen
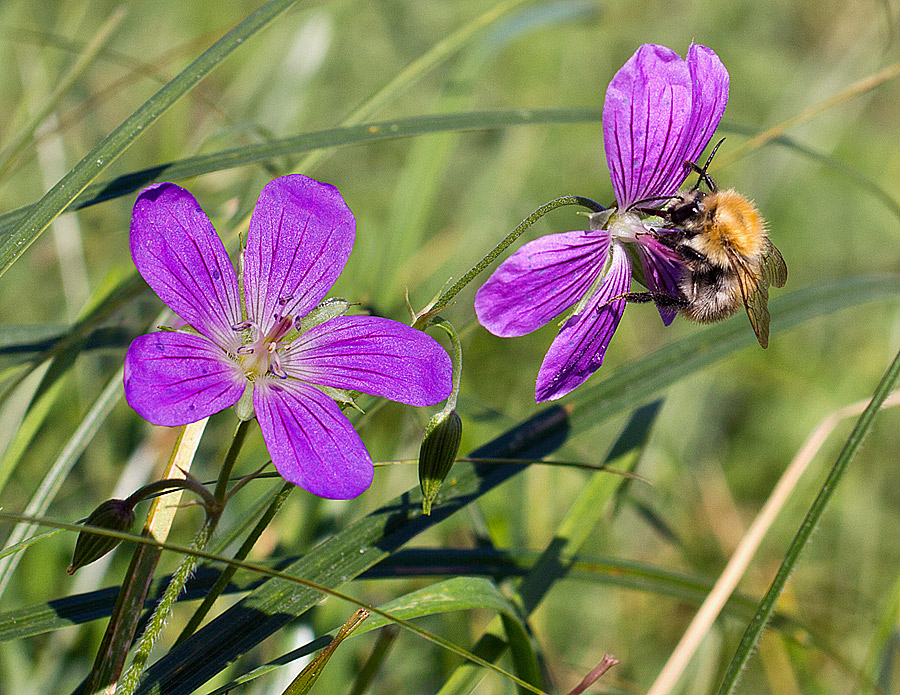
[[242, 326], [245, 350]]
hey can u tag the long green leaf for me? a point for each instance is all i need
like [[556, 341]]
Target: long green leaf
[[767, 606], [307, 142], [636, 382], [64, 193], [457, 594], [343, 557], [554, 562], [368, 133], [28, 340], [53, 615], [42, 618], [64, 463]]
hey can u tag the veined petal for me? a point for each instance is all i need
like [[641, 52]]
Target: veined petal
[[177, 251], [661, 271], [539, 281], [301, 234], [310, 441], [709, 80], [578, 350], [373, 355], [176, 378], [645, 115]]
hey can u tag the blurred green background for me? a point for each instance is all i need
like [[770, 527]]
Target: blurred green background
[[429, 208]]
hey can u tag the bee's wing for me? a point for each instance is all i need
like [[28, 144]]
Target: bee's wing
[[772, 265], [755, 294]]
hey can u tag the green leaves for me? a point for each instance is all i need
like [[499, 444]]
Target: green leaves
[[63, 194]]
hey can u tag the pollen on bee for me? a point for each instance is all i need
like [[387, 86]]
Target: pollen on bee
[[739, 224]]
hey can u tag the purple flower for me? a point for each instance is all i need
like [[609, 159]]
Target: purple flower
[[660, 112], [300, 238]]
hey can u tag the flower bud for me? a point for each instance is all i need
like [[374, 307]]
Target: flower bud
[[437, 454], [115, 515]]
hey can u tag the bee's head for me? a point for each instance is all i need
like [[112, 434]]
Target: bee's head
[[687, 208]]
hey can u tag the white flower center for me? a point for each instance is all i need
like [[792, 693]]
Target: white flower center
[[259, 356], [625, 226]]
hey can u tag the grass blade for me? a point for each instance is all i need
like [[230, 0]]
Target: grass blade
[[62, 195], [63, 465], [307, 142], [85, 60], [343, 557], [635, 382], [767, 606]]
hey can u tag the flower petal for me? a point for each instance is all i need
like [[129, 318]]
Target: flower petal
[[539, 281], [662, 272], [578, 350], [310, 441], [301, 234], [373, 355], [709, 80], [177, 251], [646, 112], [176, 378]]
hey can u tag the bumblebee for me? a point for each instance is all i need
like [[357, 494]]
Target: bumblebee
[[721, 240]]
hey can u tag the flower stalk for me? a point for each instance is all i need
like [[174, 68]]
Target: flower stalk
[[118, 515], [444, 300]]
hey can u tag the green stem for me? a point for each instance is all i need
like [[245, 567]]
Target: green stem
[[228, 465], [130, 681], [767, 606], [492, 255], [228, 572], [132, 677], [455, 358], [161, 486]]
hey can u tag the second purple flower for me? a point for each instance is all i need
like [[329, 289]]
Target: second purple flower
[[660, 112], [275, 348]]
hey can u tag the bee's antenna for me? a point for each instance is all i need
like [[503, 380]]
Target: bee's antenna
[[703, 176]]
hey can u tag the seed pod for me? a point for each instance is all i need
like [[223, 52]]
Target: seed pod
[[437, 454], [114, 515]]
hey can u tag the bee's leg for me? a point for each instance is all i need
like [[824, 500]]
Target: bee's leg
[[661, 299]]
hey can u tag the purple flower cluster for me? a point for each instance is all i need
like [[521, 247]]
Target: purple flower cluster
[[301, 234], [660, 113]]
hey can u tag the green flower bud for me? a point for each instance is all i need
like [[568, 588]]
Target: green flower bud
[[437, 454], [115, 515]]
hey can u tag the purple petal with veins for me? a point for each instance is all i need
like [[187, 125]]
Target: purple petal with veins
[[177, 251], [176, 378], [662, 272], [645, 115], [578, 350], [373, 355], [301, 234], [311, 442], [709, 80], [540, 281]]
